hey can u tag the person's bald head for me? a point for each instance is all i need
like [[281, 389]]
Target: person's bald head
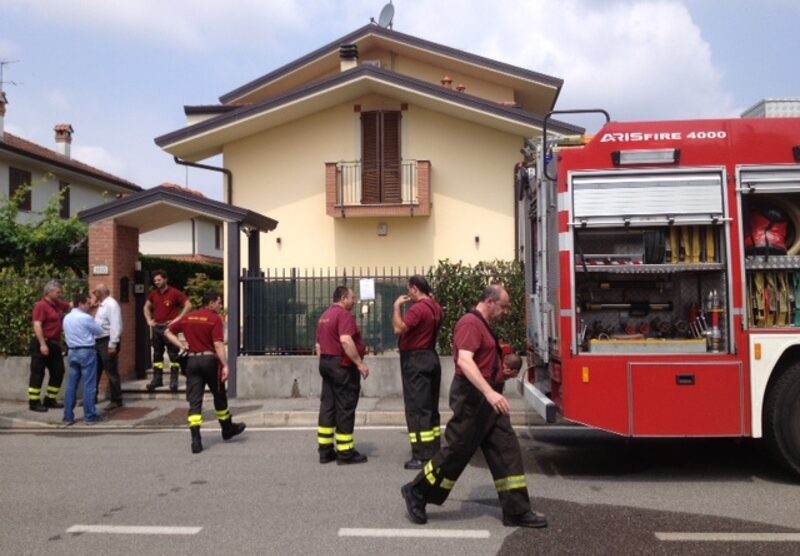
[[101, 291]]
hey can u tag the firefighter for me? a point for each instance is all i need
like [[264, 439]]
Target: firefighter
[[207, 365], [480, 419], [420, 369], [46, 348], [164, 306], [341, 353]]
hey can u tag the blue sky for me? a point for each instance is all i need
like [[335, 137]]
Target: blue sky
[[120, 71]]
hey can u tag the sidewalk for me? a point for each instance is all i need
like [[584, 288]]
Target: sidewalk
[[163, 410]]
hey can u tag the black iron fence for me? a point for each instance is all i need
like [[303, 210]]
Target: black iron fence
[[280, 309]]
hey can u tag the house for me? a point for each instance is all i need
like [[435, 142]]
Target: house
[[378, 149], [50, 171], [197, 239]]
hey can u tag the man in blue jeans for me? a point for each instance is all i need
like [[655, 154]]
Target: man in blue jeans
[[80, 330]]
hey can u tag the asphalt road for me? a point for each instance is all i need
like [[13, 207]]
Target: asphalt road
[[265, 493]]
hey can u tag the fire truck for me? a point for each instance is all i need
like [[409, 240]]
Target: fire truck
[[662, 269]]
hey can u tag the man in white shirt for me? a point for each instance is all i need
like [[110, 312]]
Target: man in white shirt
[[80, 330], [109, 317]]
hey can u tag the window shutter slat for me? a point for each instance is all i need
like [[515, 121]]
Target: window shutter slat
[[391, 158], [370, 158]]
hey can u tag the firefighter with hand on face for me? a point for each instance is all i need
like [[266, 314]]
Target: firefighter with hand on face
[[480, 420], [164, 306], [420, 368], [207, 365], [341, 353]]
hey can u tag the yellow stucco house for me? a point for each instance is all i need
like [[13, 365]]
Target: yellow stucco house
[[379, 149]]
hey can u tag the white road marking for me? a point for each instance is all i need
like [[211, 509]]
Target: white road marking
[[134, 530], [729, 537], [417, 533]]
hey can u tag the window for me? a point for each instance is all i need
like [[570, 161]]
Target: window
[[18, 178], [63, 188], [380, 157], [217, 236]]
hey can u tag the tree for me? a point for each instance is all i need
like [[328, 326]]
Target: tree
[[45, 239]]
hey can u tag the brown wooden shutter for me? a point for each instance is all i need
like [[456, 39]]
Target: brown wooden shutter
[[391, 158], [370, 158]]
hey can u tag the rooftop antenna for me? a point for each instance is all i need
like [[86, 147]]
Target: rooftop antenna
[[387, 16], [3, 64]]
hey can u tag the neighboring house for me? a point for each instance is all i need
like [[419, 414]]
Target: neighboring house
[[774, 108], [50, 171], [378, 149], [196, 239]]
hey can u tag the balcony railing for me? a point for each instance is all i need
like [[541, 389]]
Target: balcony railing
[[344, 192]]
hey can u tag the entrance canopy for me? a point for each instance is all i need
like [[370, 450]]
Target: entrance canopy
[[161, 206]]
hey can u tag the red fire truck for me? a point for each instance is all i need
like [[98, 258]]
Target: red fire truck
[[662, 264]]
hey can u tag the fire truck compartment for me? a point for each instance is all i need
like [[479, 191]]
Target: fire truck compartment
[[672, 399]]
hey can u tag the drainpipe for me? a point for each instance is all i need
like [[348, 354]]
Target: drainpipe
[[225, 171]]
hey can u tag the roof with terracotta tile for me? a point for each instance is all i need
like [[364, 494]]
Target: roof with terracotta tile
[[25, 148]]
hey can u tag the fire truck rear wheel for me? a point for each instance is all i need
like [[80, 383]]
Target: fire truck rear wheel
[[782, 419]]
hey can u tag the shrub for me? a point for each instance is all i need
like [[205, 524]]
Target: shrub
[[458, 288], [20, 289]]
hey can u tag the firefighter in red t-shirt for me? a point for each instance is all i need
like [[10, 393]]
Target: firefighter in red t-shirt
[[207, 365], [341, 353], [420, 369], [46, 348], [480, 420], [164, 306]]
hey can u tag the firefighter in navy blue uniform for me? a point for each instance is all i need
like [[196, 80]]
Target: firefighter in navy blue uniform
[[206, 365], [341, 353], [420, 368], [480, 420]]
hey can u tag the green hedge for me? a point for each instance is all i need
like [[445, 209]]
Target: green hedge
[[20, 290], [180, 272], [458, 288]]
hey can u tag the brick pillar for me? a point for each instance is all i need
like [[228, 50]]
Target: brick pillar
[[117, 247]]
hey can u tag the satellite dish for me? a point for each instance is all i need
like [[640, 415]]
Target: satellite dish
[[387, 14]]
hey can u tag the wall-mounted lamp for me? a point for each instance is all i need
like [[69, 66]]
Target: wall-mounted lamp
[[477, 240], [278, 240], [383, 229]]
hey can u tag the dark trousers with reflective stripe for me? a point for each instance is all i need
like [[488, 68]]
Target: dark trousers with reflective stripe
[[337, 402], [202, 371], [422, 376], [54, 363], [161, 344], [476, 425]]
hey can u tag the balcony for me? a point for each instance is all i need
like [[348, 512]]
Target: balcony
[[345, 192]]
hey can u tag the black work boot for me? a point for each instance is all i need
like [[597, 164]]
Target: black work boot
[[197, 442], [158, 380], [173, 379], [36, 405], [351, 456], [532, 520], [327, 456], [415, 463], [415, 504], [231, 429], [53, 403]]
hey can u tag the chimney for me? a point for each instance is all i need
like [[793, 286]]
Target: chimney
[[348, 56], [3, 102], [64, 139], [447, 83], [461, 88]]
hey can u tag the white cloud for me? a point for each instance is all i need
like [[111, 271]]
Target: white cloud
[[98, 157], [57, 99], [639, 60]]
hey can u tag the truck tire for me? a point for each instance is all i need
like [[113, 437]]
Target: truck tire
[[782, 419]]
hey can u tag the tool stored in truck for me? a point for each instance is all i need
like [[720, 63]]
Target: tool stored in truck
[[662, 264]]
